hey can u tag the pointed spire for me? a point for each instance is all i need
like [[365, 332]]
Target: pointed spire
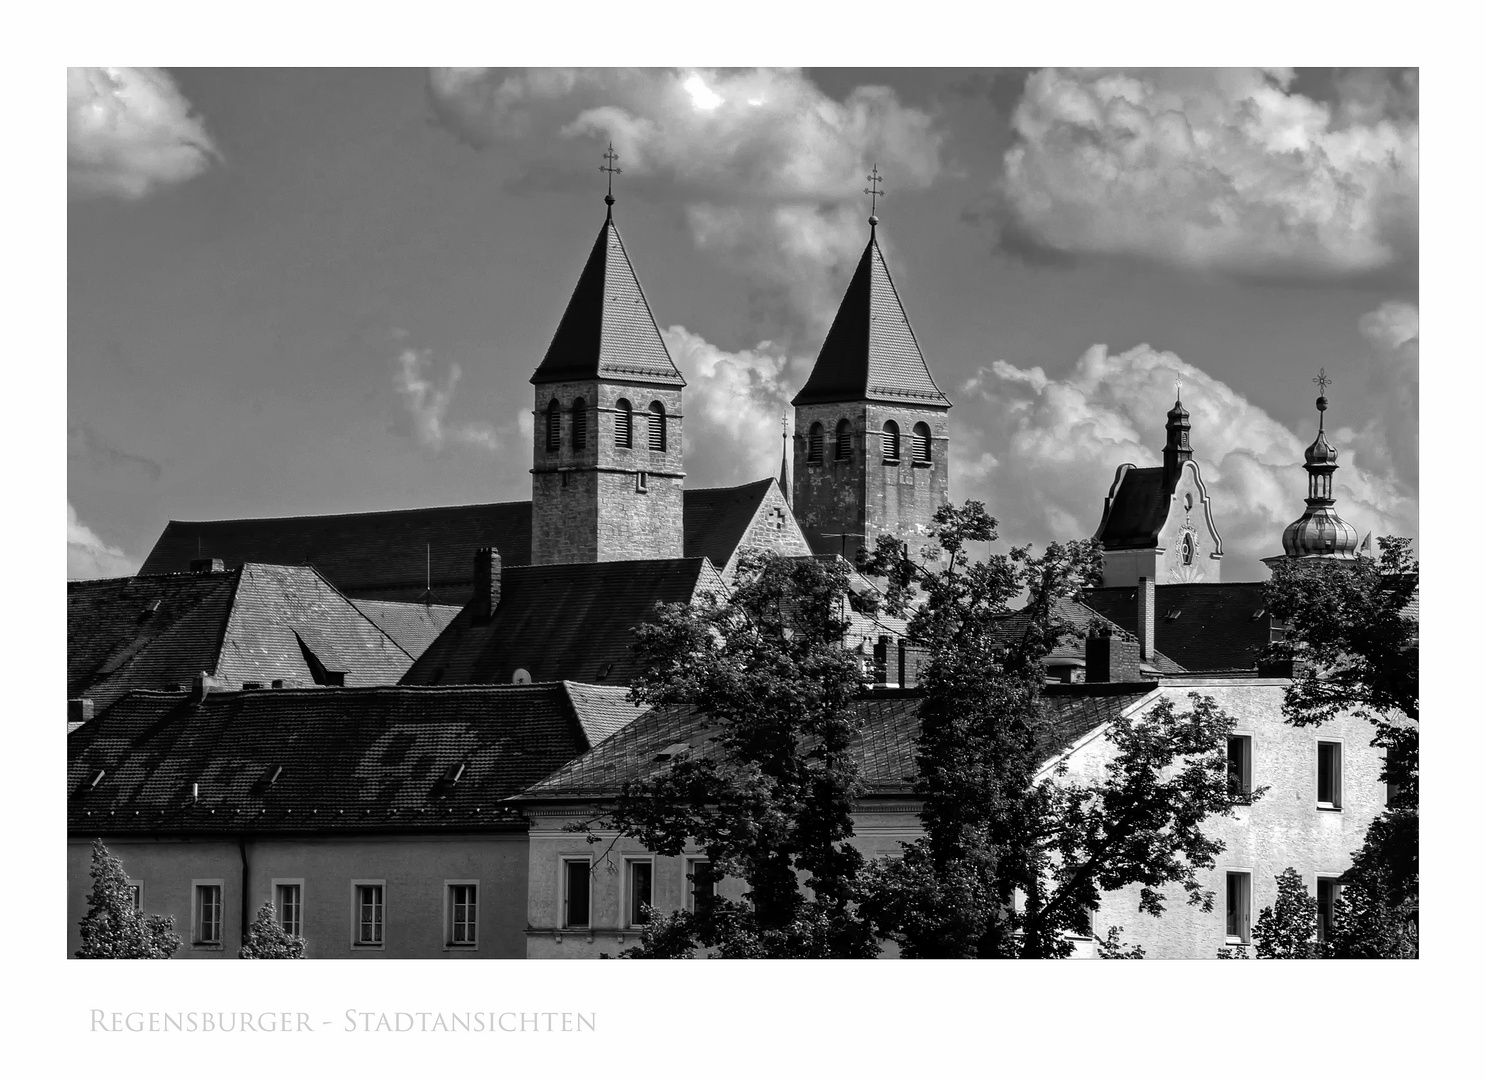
[[1320, 532], [784, 457], [1178, 448]]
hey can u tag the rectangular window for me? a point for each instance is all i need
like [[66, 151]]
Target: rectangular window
[[641, 874], [1390, 794], [207, 915], [575, 882], [136, 894], [1240, 764], [369, 913], [288, 901], [1327, 889], [1329, 775], [463, 910], [699, 893], [1237, 908]]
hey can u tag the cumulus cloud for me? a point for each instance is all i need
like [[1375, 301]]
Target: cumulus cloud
[[1225, 169], [88, 556], [427, 399], [768, 167], [129, 131], [1389, 442], [1041, 453]]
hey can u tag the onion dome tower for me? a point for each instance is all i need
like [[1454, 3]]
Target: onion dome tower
[[1320, 533]]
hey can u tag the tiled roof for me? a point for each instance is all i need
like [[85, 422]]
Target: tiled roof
[[1072, 646], [1206, 626], [602, 710], [870, 353], [324, 759], [252, 624], [884, 744], [1136, 508], [562, 621], [379, 555], [607, 331], [411, 625]]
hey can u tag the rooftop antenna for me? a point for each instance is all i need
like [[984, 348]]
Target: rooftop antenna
[[872, 189], [610, 157]]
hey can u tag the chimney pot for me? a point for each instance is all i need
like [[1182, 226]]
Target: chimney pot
[[487, 584], [206, 566]]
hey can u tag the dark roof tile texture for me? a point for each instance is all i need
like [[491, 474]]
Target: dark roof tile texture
[[412, 625], [1207, 626], [714, 520], [1137, 511]]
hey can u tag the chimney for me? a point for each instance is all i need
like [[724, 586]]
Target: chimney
[[206, 566], [487, 584], [1145, 617], [911, 661], [79, 710], [1110, 656], [201, 685]]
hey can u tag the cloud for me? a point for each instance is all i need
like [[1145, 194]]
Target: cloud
[[129, 130], [733, 404], [427, 400], [1389, 442], [86, 446], [1041, 453], [768, 167], [89, 557], [1223, 169]]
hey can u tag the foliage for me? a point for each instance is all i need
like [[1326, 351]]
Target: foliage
[[1010, 865], [669, 936], [268, 940], [766, 674], [1110, 947], [113, 929], [1377, 914], [1286, 930]]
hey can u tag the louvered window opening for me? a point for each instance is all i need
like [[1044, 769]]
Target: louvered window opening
[[657, 427], [890, 440], [554, 426], [922, 448], [624, 421], [580, 424], [816, 449], [843, 440]]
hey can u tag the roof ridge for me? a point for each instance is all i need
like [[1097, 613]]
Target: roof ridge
[[342, 514]]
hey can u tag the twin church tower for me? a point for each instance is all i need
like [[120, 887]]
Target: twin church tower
[[871, 447]]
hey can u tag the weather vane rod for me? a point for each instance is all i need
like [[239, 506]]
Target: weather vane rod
[[610, 157], [872, 188]]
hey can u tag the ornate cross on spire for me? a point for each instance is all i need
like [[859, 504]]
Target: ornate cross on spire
[[1323, 382], [610, 157], [873, 179], [1178, 387]]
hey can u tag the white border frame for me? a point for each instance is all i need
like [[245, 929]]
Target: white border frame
[[356, 944]]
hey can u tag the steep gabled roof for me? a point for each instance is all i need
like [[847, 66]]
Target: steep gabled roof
[[324, 759], [608, 331], [1135, 509], [379, 555], [870, 353], [413, 626], [562, 621], [601, 710], [713, 520], [1203, 626]]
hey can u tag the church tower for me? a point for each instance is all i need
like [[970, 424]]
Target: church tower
[[606, 476], [871, 453], [1320, 532]]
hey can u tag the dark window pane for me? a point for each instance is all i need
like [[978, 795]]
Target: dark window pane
[[577, 894], [640, 874]]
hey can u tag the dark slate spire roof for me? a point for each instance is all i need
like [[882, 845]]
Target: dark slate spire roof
[[870, 353], [607, 331]]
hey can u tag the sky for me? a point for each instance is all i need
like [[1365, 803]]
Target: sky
[[301, 291]]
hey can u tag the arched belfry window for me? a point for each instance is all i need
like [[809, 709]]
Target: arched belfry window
[[657, 426], [843, 440], [554, 425], [580, 424], [890, 440], [923, 449], [624, 423], [815, 450]]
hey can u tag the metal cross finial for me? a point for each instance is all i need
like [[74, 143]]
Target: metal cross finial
[[784, 425], [610, 157], [873, 179], [1322, 381]]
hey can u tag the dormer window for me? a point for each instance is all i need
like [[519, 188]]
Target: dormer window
[[624, 424], [554, 426], [843, 440], [580, 424], [889, 440], [657, 427]]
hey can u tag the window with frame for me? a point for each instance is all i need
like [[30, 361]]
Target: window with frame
[[554, 426], [580, 425], [289, 903], [370, 911], [624, 424], [576, 891], [815, 449], [462, 905], [1240, 764], [657, 427], [1236, 908], [136, 894], [702, 890], [843, 440], [207, 915], [1327, 890], [923, 445], [1328, 775], [889, 440], [641, 889]]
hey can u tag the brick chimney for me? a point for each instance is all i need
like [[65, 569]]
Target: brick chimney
[[79, 710], [487, 584], [1145, 617], [1110, 657], [207, 566]]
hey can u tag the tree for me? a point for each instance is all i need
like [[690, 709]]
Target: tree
[[113, 928], [1354, 641], [268, 940], [768, 669], [1010, 865], [1287, 930]]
